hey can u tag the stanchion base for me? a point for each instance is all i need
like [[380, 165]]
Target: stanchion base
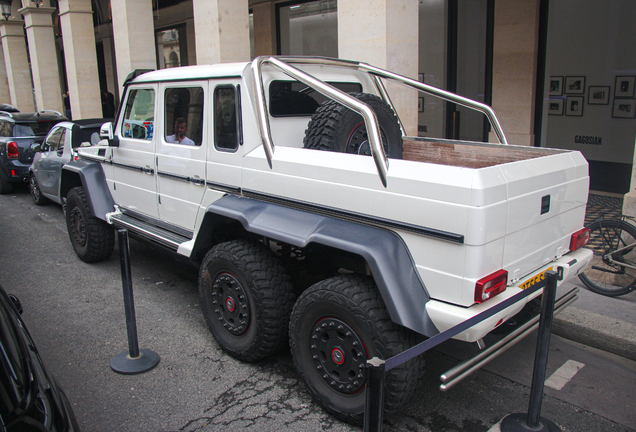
[[517, 423], [124, 364]]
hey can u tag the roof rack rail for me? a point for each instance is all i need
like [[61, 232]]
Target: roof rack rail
[[8, 114], [51, 111]]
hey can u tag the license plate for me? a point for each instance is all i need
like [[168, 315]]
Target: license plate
[[534, 279]]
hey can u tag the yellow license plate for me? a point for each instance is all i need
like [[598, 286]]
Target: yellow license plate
[[534, 279]]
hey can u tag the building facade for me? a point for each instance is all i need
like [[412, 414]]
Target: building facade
[[559, 73]]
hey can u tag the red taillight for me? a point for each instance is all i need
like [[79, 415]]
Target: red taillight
[[491, 285], [580, 239], [12, 150]]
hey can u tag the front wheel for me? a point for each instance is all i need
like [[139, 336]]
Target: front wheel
[[336, 326], [92, 238], [612, 271], [246, 297]]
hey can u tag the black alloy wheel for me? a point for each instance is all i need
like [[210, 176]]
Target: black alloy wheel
[[337, 324], [246, 297], [34, 190], [92, 238]]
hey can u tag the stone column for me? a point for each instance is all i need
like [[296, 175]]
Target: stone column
[[264, 15], [515, 68], [76, 18], [134, 34], [5, 96], [384, 33], [222, 31], [41, 39], [17, 64]]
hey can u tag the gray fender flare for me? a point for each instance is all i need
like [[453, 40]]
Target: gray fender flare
[[94, 183], [387, 256]]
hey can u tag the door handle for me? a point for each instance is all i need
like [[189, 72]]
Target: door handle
[[197, 180], [148, 170]]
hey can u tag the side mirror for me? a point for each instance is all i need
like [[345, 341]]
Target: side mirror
[[36, 147], [106, 132]]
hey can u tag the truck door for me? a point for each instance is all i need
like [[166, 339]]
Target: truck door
[[181, 152], [134, 166]]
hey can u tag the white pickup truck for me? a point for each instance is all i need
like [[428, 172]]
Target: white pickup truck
[[313, 219]]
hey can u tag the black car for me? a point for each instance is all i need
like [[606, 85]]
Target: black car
[[17, 132], [30, 400], [59, 147]]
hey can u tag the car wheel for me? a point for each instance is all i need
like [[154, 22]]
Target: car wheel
[[336, 326], [36, 194], [5, 186], [92, 238], [246, 297], [334, 127]]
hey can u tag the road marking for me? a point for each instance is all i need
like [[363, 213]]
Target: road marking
[[564, 374]]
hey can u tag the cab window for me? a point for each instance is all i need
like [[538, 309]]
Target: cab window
[[184, 115], [139, 114], [226, 118]]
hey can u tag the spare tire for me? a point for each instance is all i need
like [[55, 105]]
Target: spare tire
[[334, 127]]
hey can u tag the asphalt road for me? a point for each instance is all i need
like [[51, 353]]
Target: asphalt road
[[75, 313]]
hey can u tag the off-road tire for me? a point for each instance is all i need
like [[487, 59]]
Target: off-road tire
[[246, 297], [347, 310], [334, 127], [35, 192], [93, 239]]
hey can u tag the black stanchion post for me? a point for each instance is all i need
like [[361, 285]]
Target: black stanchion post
[[374, 402], [133, 361], [533, 422]]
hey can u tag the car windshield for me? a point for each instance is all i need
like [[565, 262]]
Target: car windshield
[[32, 129]]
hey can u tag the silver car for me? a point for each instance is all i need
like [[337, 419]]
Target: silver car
[[58, 148]]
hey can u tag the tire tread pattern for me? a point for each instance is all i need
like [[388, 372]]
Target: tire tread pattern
[[271, 289], [360, 296], [100, 237]]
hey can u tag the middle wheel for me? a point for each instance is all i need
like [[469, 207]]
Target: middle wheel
[[246, 297]]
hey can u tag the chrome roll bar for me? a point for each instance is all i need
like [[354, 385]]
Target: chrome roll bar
[[373, 129]]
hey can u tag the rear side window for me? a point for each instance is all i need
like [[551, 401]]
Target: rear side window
[[55, 141], [6, 128], [293, 98], [139, 115], [226, 118], [33, 128], [184, 115]]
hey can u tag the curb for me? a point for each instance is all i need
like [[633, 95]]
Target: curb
[[598, 331]]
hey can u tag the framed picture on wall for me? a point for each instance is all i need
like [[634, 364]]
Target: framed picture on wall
[[624, 108], [555, 107], [575, 85], [556, 86], [574, 106], [624, 86], [598, 95], [420, 104]]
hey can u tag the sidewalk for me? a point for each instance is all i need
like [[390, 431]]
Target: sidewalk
[[601, 322]]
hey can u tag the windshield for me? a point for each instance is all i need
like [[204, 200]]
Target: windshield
[[32, 129]]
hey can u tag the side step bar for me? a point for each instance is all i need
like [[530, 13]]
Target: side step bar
[[462, 370], [148, 231]]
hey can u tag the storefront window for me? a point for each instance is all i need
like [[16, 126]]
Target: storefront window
[[590, 78], [309, 29]]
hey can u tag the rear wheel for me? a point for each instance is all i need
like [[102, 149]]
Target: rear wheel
[[92, 238], [337, 325], [612, 271], [34, 190], [246, 297]]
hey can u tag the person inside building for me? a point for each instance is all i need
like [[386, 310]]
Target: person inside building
[[179, 136]]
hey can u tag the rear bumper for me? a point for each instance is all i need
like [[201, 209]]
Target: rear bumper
[[15, 172], [445, 315]]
